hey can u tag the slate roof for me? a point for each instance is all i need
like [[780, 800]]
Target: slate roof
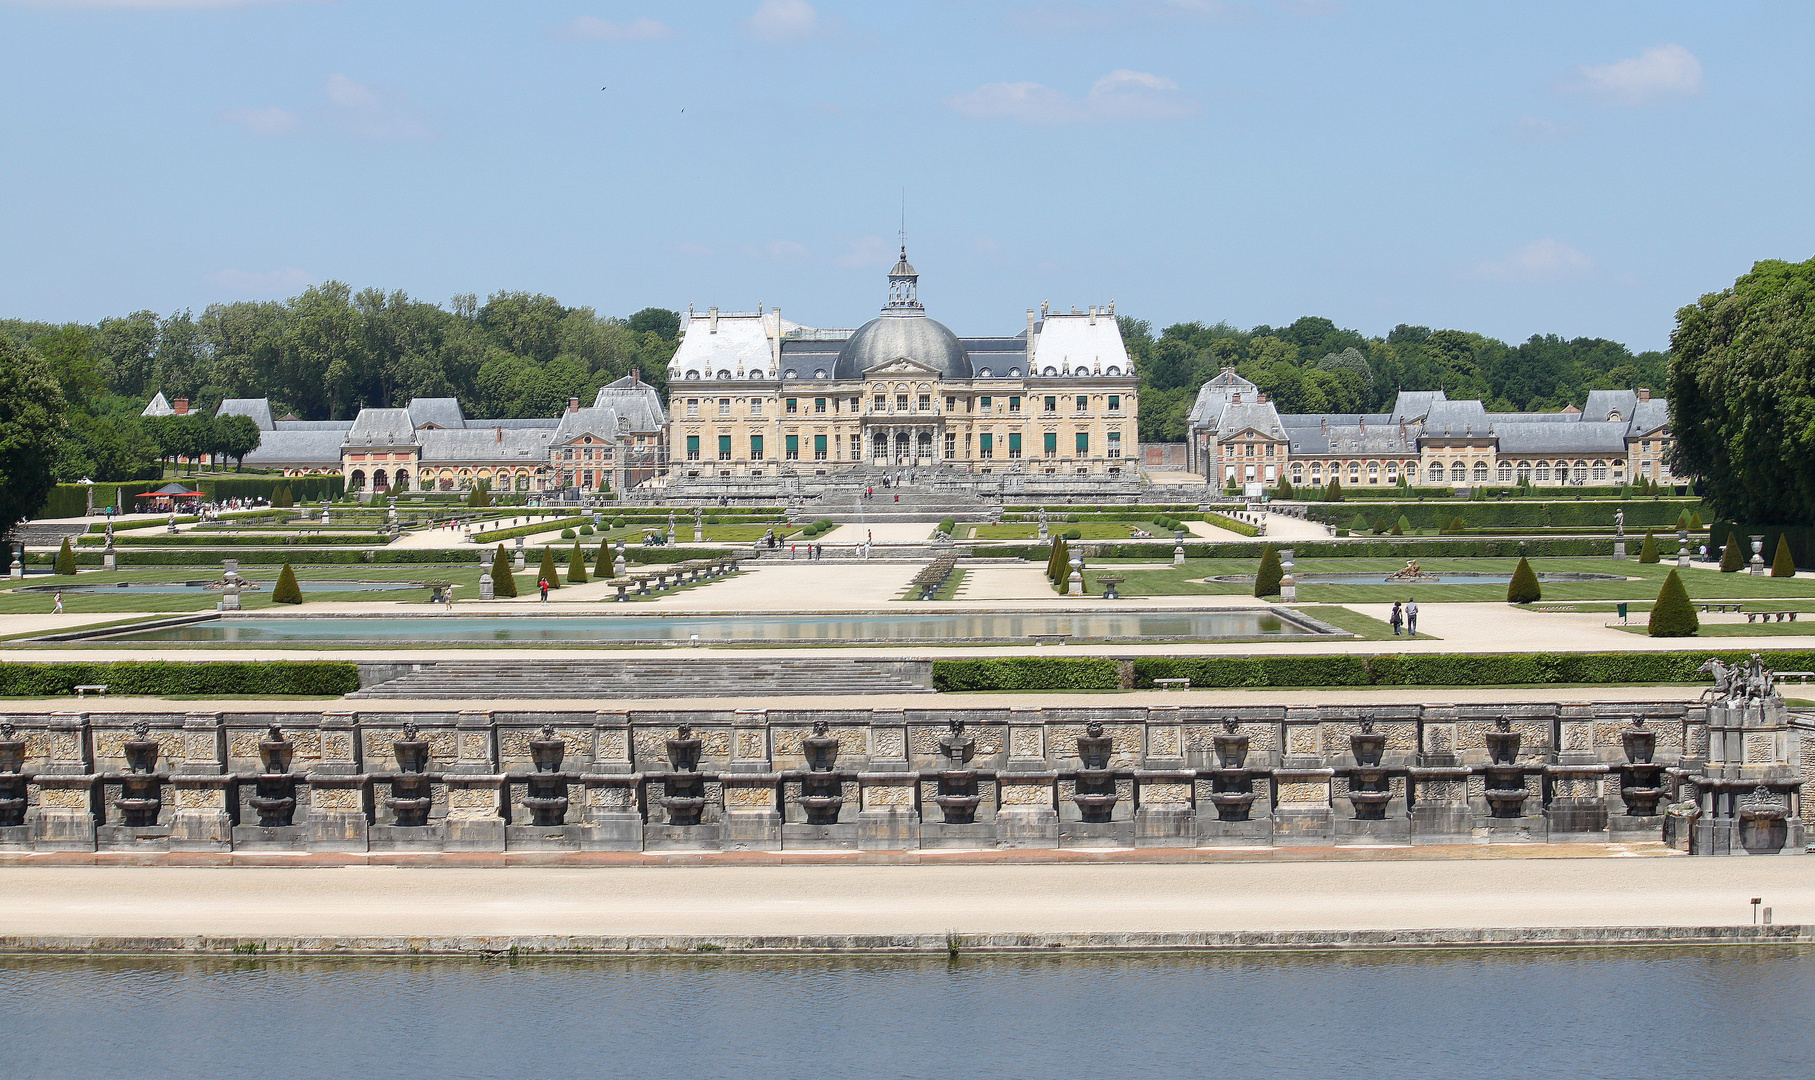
[[1649, 417], [489, 444], [1584, 437], [1414, 404], [1081, 339], [1360, 440], [442, 412], [1602, 404], [637, 405], [1456, 419], [259, 409], [600, 423], [382, 427], [157, 406], [1239, 418], [309, 448]]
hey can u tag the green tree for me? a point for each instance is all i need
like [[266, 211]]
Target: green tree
[[286, 591], [603, 568], [66, 559], [1402, 526], [1359, 524], [1742, 386], [576, 566], [1783, 564], [1270, 573], [1732, 557], [1333, 493], [547, 572], [1523, 588], [281, 497], [31, 425], [1673, 615], [1284, 490], [1648, 550], [236, 436], [504, 583]]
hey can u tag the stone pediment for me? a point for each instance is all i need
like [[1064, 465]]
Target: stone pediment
[[901, 365]]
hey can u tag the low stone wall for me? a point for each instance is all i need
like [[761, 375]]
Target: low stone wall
[[898, 779]]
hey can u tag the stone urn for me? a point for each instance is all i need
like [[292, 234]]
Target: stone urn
[[410, 799], [1504, 778], [1096, 794], [1639, 744], [821, 794], [1231, 746], [685, 799], [820, 749], [275, 794], [546, 799], [1641, 778], [12, 778], [140, 794], [1369, 791], [1232, 789], [958, 796]]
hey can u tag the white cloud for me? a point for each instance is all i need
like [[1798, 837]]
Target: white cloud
[[865, 251], [592, 28], [1118, 97], [1536, 129], [266, 122], [259, 285], [1657, 76], [785, 251], [371, 111], [1544, 260], [782, 21]]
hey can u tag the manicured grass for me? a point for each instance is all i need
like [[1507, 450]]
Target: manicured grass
[[1787, 629], [1186, 580], [1091, 530], [1362, 626], [14, 602], [947, 591]]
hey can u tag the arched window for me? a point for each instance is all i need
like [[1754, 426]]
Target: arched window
[[1392, 472], [790, 374], [724, 373], [755, 373], [1112, 370], [693, 374], [1458, 472], [1373, 472], [983, 373], [1580, 472], [1541, 471], [1506, 472], [1436, 472], [357, 480], [1354, 472], [1298, 473], [1600, 470], [1480, 472]]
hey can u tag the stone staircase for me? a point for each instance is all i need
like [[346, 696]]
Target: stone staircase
[[916, 505], [678, 676]]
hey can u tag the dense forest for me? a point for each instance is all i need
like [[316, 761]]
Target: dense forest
[[330, 351], [1315, 366]]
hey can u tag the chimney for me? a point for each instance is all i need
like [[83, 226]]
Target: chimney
[[181, 408], [1236, 398], [1326, 425], [777, 352], [636, 376], [1644, 393], [1260, 398], [1093, 314], [499, 433], [1030, 341], [712, 314], [573, 404]]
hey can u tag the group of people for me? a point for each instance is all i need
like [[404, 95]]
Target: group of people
[[1405, 614]]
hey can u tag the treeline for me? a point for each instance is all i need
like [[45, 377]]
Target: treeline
[[323, 355], [1315, 366]]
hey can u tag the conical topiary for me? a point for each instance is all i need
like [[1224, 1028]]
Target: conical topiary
[[1402, 526], [1359, 525], [1648, 550], [1523, 588], [286, 591], [1673, 615], [1267, 578], [1695, 519], [66, 559], [1733, 558], [281, 497], [1058, 568], [504, 583], [604, 567], [1333, 493], [1682, 520], [576, 566], [1783, 564], [547, 572], [1284, 490]]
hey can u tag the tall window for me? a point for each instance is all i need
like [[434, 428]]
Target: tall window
[[791, 406], [724, 448], [756, 406], [819, 448], [724, 406], [1050, 444], [1083, 444], [756, 448], [1115, 403], [1083, 403], [1115, 444], [1052, 404], [791, 447], [986, 446], [819, 405], [951, 445], [693, 406], [1014, 445], [693, 448]]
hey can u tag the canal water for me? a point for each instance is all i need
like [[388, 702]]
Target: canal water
[[1601, 1014]]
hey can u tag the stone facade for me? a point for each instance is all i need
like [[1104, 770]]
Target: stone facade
[[1701, 776]]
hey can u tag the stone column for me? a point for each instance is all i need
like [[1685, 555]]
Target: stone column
[[474, 786], [200, 782], [752, 816], [1304, 814], [1028, 816], [340, 794], [64, 819], [613, 820]]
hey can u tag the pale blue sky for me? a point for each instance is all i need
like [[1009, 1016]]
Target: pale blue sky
[[1582, 168]]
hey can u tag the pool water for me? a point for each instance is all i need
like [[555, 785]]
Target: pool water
[[856, 629]]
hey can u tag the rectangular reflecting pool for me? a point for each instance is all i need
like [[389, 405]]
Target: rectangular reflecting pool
[[857, 629], [1590, 1014]]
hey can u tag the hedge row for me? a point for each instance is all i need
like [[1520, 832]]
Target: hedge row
[[140, 558], [130, 540], [1025, 673], [1093, 673], [1233, 525], [302, 488], [1410, 548], [545, 525], [161, 678], [158, 523], [1490, 515]]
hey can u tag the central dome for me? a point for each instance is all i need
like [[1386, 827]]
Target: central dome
[[896, 337]]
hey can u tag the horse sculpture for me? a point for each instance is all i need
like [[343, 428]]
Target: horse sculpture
[[1723, 679], [1749, 680]]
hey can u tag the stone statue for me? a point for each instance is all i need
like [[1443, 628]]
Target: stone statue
[[1619, 522], [1723, 679]]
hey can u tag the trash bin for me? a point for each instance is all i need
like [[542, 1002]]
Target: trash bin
[[1622, 610]]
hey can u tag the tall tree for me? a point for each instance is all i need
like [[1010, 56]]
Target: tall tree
[[31, 426]]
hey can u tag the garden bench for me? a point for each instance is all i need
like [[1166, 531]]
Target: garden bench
[[1109, 583], [1770, 616], [1721, 607], [1055, 639], [1172, 684], [1802, 676], [621, 585], [100, 689]]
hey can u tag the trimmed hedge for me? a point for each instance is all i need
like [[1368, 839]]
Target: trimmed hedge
[[164, 677], [1489, 515], [1026, 673], [1442, 670], [302, 488], [1409, 548], [1223, 522], [546, 525]]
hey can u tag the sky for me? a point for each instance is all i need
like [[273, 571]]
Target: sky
[[1581, 168]]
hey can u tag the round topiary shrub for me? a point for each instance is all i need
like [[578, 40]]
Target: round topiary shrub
[[586, 530], [1073, 534], [1673, 615], [567, 534]]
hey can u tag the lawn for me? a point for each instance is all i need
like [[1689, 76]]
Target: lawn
[[15, 602], [1091, 530], [1362, 626], [1187, 580]]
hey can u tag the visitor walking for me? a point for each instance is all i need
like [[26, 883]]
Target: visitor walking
[[58, 610], [1397, 619], [542, 583], [1411, 617], [792, 548], [447, 596]]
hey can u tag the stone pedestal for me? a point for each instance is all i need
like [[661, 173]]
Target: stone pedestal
[[339, 812], [64, 819], [199, 785], [1619, 549], [486, 588]]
